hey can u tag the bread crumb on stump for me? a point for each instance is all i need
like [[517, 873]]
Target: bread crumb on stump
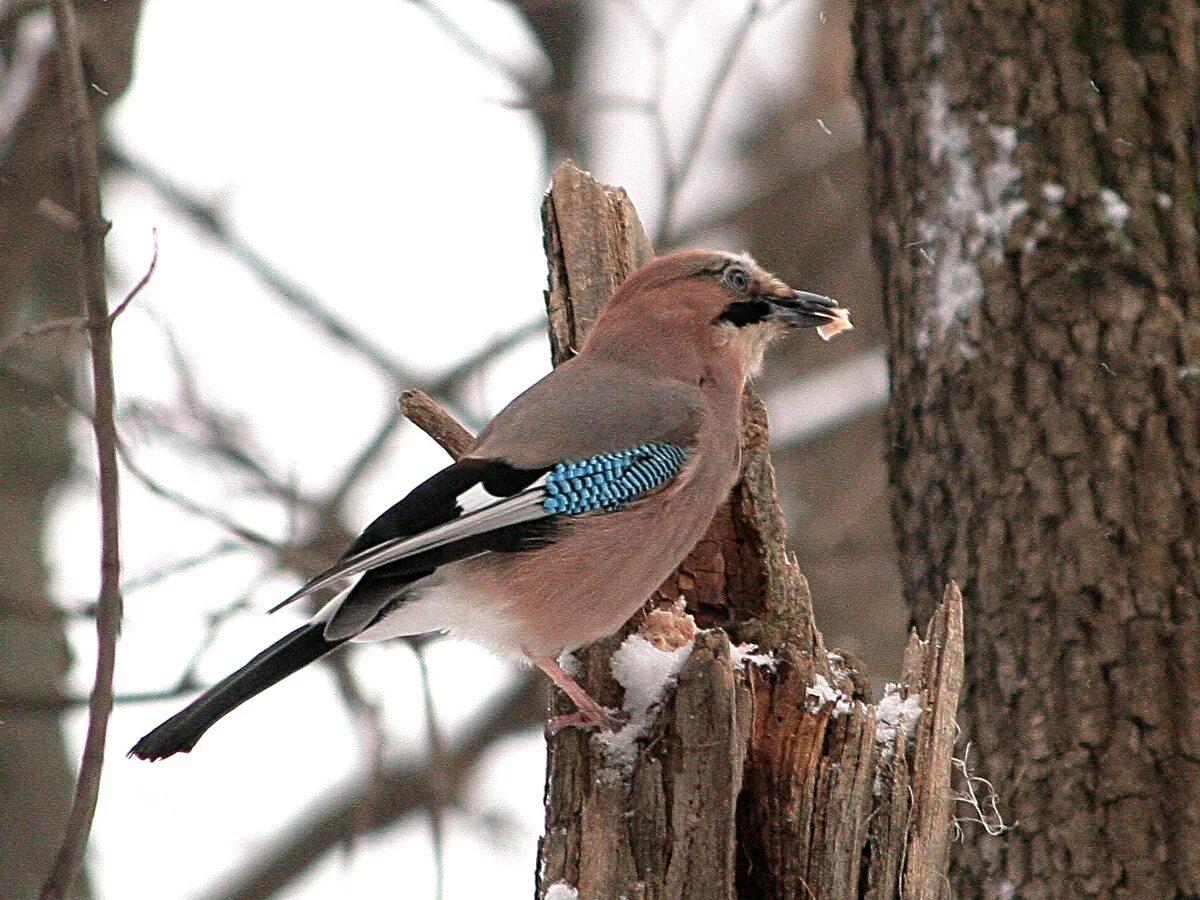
[[669, 627]]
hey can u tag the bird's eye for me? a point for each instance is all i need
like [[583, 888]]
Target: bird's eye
[[738, 279]]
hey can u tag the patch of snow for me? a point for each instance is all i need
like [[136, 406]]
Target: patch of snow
[[1164, 201], [1001, 193], [1037, 231], [824, 693], [1186, 372], [744, 654], [957, 285], [1003, 203], [643, 671], [560, 890], [1054, 193], [571, 663], [1116, 210], [974, 217], [1006, 890], [893, 714]]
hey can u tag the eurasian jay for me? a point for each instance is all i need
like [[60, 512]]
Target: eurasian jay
[[573, 504]]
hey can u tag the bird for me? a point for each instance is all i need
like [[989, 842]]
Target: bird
[[572, 505]]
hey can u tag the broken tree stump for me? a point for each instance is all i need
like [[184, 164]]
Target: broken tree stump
[[764, 772]]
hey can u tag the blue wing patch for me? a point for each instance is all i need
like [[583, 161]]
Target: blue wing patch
[[476, 506], [608, 481]]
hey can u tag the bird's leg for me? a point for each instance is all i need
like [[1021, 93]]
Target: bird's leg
[[589, 712]]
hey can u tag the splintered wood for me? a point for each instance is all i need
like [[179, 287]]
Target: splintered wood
[[765, 772]]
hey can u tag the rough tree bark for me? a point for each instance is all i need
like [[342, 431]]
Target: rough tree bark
[[1034, 172], [776, 781]]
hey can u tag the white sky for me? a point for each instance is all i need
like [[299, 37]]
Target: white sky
[[366, 156]]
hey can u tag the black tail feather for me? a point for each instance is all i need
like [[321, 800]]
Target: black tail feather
[[180, 732]]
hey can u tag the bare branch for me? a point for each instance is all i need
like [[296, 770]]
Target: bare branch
[[59, 703], [405, 788], [473, 48], [425, 412], [445, 387], [678, 174], [245, 533], [298, 298], [86, 169], [818, 159], [435, 744], [179, 566]]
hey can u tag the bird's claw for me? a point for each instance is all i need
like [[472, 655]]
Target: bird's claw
[[601, 718]]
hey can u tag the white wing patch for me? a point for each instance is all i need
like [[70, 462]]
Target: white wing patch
[[477, 497]]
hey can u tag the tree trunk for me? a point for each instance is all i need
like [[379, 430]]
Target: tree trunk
[[767, 779], [1034, 172]]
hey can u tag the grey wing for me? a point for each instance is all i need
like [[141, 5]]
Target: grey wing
[[517, 487], [585, 407]]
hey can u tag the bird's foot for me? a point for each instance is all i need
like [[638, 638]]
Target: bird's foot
[[589, 713], [599, 717]]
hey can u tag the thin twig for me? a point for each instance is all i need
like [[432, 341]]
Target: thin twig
[[245, 533], [445, 387], [298, 298], [847, 142], [137, 288], [179, 566], [285, 553], [407, 788], [207, 219], [472, 48], [677, 174], [59, 703], [368, 717], [435, 744], [655, 108], [85, 159], [428, 415], [448, 384]]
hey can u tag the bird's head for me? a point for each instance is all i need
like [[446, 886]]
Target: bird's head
[[726, 301]]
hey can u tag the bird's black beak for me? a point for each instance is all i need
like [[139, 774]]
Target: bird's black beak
[[794, 309], [804, 310]]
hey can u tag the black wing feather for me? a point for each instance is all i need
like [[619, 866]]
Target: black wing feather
[[375, 592], [432, 503], [180, 732]]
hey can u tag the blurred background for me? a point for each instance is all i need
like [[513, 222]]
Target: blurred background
[[345, 202]]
